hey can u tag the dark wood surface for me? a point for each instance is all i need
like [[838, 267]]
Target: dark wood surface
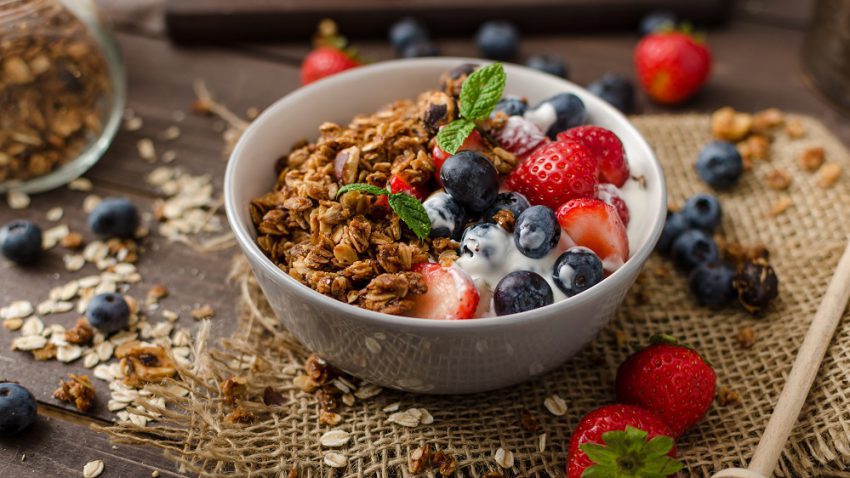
[[756, 66]]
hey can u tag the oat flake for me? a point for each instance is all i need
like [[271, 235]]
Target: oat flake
[[18, 200], [335, 460], [556, 405], [93, 469], [335, 438], [504, 458], [80, 184], [405, 419], [29, 342], [54, 214]]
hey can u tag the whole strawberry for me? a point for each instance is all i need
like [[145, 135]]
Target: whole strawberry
[[608, 149], [324, 61], [556, 172], [672, 380], [672, 66], [621, 441]]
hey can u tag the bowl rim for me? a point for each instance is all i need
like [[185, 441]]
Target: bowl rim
[[249, 247]]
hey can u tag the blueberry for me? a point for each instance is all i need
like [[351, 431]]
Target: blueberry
[[537, 231], [420, 49], [114, 217], [498, 40], [108, 312], [657, 20], [516, 203], [703, 211], [520, 291], [471, 179], [487, 241], [692, 248], [446, 215], [577, 270], [548, 64], [711, 283], [406, 32], [674, 226], [617, 90], [17, 409], [512, 106], [558, 113], [20, 242], [719, 164]]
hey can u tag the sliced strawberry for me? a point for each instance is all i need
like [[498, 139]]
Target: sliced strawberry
[[451, 293], [473, 142], [608, 149], [610, 194], [399, 184], [596, 225], [519, 136]]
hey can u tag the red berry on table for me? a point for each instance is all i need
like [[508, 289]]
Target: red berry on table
[[672, 380], [608, 149], [324, 61], [610, 194], [596, 225], [451, 293], [621, 440], [473, 142], [672, 66], [555, 173]]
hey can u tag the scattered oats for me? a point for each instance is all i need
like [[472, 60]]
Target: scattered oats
[[103, 372], [181, 338], [29, 342], [93, 469], [123, 337], [367, 391], [730, 125], [52, 236], [181, 352], [425, 416], [18, 200], [114, 405], [348, 399], [80, 184], [104, 351], [203, 312], [32, 326], [73, 262], [556, 405], [252, 112], [155, 474], [146, 149], [541, 443], [162, 329], [406, 418], [54, 214], [124, 269], [373, 345], [127, 395], [171, 133], [341, 386], [335, 438], [89, 281], [169, 156], [178, 116], [393, 407], [90, 359], [68, 353], [68, 291], [90, 202], [829, 174], [504, 458], [13, 324], [62, 306], [138, 420], [780, 205], [727, 396], [170, 315], [133, 123], [335, 460], [19, 309]]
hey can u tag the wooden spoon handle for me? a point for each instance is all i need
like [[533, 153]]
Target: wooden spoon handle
[[804, 370]]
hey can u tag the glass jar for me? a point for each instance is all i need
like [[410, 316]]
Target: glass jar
[[826, 51], [62, 92]]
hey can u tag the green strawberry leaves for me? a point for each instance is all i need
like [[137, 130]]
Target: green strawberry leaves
[[628, 454], [478, 96], [408, 208]]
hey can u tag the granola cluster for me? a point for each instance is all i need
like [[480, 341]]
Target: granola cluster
[[353, 247]]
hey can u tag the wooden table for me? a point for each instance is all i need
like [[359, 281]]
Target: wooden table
[[756, 66]]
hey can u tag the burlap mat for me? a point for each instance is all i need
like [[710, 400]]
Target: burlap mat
[[805, 242]]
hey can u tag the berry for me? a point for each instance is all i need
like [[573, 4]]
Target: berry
[[711, 284], [536, 231], [398, 184], [451, 293], [616, 90], [520, 291], [17, 409], [620, 434], [595, 225], [114, 217], [406, 32], [610, 194], [657, 20], [608, 149], [577, 270], [20, 242], [519, 136], [692, 248], [669, 379], [446, 215], [703, 211], [324, 61], [516, 203], [487, 241], [548, 64], [674, 225], [108, 312], [471, 179], [420, 49], [719, 164], [512, 106], [671, 66], [560, 112], [555, 173], [473, 142], [497, 40], [756, 284]]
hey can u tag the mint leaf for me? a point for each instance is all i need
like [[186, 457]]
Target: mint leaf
[[451, 136], [366, 188], [481, 91], [411, 211]]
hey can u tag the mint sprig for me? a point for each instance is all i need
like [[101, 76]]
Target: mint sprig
[[408, 208], [478, 96], [629, 454]]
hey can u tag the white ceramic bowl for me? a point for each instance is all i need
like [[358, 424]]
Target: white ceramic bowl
[[420, 355]]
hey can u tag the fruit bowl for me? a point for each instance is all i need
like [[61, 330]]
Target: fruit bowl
[[432, 356]]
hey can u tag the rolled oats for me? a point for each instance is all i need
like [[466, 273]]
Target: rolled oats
[[504, 458], [335, 460], [93, 469], [334, 438], [829, 174], [556, 405]]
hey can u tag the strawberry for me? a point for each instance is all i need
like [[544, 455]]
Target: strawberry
[[596, 225], [671, 66], [672, 380], [519, 136], [324, 61], [610, 194], [451, 293], [473, 142], [608, 149], [623, 441], [554, 173], [399, 184]]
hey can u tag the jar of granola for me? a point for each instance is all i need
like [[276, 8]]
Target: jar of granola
[[62, 91]]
